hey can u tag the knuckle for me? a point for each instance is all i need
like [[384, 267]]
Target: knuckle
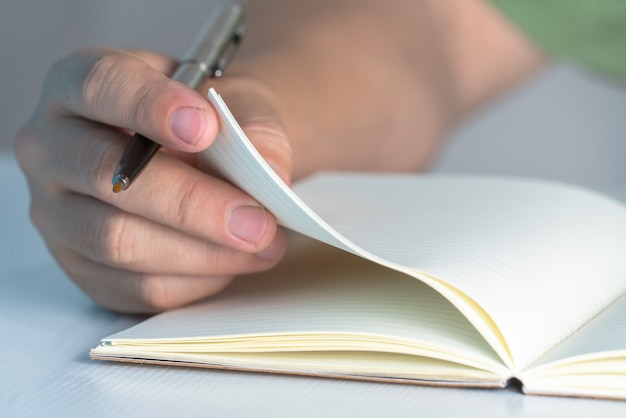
[[185, 209], [102, 74], [154, 292], [78, 76], [107, 78], [117, 242], [144, 109]]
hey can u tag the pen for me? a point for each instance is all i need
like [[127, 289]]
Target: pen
[[208, 55]]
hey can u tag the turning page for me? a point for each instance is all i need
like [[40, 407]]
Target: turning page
[[528, 262]]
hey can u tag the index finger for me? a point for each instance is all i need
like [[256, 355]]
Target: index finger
[[128, 90]]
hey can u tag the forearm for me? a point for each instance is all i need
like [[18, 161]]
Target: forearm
[[375, 85]]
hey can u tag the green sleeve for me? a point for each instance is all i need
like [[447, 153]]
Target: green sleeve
[[591, 33]]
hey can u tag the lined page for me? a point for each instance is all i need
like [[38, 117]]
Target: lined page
[[321, 299], [602, 338], [592, 362], [540, 258]]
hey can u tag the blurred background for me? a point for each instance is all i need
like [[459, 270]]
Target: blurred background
[[565, 124]]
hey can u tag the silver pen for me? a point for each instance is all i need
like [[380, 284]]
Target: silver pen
[[208, 56]]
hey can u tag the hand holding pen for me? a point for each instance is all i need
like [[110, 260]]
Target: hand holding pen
[[342, 85], [180, 234], [208, 56]]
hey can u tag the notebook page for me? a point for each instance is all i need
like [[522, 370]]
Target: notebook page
[[516, 247], [540, 258], [321, 299], [235, 158], [604, 337], [592, 362]]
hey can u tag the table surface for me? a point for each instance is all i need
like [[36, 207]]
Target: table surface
[[49, 326]]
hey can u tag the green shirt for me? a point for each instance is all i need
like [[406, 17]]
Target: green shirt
[[591, 33]]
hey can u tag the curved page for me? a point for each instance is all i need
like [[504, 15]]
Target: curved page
[[541, 259]]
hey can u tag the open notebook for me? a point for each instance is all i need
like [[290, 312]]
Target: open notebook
[[442, 280]]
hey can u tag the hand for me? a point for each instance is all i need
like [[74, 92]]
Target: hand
[[317, 84], [177, 235]]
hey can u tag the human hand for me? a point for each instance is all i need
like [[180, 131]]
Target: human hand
[[178, 234], [318, 84]]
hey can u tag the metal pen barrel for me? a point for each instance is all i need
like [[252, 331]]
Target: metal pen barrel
[[207, 50]]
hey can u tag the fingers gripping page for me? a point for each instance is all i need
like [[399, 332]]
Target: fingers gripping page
[[234, 157]]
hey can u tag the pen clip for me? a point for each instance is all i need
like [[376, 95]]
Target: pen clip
[[228, 52]]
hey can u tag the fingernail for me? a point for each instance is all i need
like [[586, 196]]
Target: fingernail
[[248, 223], [188, 124]]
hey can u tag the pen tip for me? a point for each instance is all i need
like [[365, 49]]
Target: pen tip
[[120, 182]]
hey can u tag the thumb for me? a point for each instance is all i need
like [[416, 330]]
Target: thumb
[[254, 106]]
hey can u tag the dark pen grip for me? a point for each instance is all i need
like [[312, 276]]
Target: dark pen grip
[[138, 152]]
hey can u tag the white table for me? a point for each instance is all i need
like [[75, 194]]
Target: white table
[[48, 327]]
